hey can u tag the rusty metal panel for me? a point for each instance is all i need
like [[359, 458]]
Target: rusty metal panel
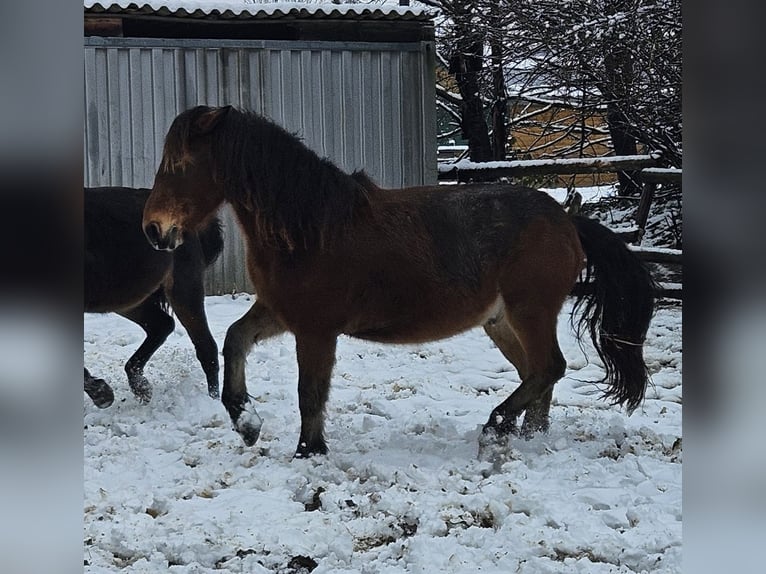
[[366, 106]]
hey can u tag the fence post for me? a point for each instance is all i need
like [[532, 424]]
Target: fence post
[[642, 212]]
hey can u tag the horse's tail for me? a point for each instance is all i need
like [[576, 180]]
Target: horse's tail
[[211, 240], [616, 308]]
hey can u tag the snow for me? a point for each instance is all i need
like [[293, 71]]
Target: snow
[[268, 7], [170, 487], [658, 250], [662, 170], [589, 194], [466, 164]]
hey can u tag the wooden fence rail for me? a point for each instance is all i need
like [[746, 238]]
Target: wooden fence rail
[[464, 170]]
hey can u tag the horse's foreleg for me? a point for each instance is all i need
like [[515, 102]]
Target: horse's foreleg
[[98, 390], [254, 326], [157, 325], [187, 297], [316, 358]]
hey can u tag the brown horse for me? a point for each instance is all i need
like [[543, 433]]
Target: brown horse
[[332, 253], [123, 274]]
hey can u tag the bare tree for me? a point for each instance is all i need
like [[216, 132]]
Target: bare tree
[[464, 53], [553, 66]]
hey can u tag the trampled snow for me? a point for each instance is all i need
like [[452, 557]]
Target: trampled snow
[[170, 487]]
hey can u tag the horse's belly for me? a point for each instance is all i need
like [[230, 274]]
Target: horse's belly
[[429, 323], [108, 288]]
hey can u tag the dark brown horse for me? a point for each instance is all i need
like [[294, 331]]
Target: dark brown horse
[[332, 253], [123, 274]]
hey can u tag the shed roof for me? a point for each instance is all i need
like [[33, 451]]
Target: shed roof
[[261, 10]]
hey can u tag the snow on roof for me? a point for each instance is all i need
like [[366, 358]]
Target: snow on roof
[[388, 9]]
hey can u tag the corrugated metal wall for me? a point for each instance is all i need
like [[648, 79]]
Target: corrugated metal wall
[[365, 106]]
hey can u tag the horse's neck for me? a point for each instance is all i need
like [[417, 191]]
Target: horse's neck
[[260, 243], [284, 156]]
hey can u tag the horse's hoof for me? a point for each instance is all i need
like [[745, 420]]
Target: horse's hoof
[[248, 425], [100, 393], [533, 424], [494, 447], [306, 451], [142, 390], [249, 433], [528, 431], [105, 398], [500, 425], [213, 393]]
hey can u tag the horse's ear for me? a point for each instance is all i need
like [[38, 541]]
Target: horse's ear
[[209, 120]]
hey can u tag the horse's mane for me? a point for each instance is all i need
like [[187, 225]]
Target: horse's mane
[[299, 200], [363, 179]]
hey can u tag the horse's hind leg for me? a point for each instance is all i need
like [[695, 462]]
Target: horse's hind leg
[[187, 298], [501, 333], [157, 325], [98, 390], [535, 349], [258, 324], [316, 358]]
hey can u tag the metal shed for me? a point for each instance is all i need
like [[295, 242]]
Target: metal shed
[[355, 81]]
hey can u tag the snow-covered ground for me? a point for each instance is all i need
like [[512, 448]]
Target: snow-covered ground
[[169, 487]]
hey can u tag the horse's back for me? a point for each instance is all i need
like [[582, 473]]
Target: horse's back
[[430, 262], [464, 228]]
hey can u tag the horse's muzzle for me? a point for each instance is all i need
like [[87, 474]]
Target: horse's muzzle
[[167, 241]]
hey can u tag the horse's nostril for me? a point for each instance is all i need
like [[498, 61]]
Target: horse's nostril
[[152, 231], [172, 237]]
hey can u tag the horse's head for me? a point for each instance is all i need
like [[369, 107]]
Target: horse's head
[[185, 193]]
